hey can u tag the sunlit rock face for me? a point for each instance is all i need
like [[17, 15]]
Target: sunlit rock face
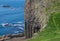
[[35, 15]]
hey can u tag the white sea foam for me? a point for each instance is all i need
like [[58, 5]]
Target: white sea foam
[[16, 31], [19, 22], [4, 24]]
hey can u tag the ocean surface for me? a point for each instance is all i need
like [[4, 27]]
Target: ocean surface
[[11, 12]]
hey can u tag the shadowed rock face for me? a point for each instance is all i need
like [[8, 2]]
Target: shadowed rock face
[[6, 6], [35, 15]]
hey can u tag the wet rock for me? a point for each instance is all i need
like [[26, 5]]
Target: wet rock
[[6, 6]]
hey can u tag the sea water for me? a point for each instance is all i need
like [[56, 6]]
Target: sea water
[[11, 11]]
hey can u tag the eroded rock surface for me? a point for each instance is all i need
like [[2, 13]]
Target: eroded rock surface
[[35, 15]]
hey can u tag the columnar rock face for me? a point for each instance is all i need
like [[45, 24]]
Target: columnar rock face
[[35, 15]]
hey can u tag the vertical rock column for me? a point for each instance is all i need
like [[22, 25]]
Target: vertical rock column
[[29, 19]]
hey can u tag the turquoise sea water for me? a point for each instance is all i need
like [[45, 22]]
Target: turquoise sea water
[[13, 13]]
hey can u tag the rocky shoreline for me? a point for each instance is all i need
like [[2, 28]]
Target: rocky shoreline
[[7, 37]]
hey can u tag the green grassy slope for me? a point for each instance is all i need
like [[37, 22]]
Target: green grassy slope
[[52, 30]]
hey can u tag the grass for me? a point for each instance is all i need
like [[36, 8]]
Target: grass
[[52, 30]]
